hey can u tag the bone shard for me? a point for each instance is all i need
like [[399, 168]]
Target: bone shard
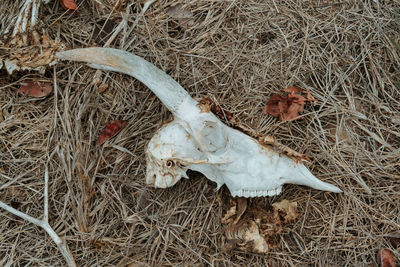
[[198, 140]]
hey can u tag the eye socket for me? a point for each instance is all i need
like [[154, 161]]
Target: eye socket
[[170, 163]]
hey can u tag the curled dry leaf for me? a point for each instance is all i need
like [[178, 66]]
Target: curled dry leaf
[[255, 229], [36, 88], [287, 209], [384, 258], [228, 217], [69, 5], [111, 130], [288, 108], [184, 17]]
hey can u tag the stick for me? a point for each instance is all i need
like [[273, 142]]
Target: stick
[[44, 224]]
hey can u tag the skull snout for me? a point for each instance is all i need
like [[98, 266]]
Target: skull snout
[[161, 180]]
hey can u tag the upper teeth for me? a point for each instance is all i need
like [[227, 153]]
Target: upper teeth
[[257, 193]]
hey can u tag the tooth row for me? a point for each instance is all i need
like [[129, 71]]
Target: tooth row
[[256, 193]]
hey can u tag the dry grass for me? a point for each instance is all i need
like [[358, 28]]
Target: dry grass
[[238, 53]]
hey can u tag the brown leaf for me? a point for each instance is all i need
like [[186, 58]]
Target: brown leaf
[[275, 105], [246, 236], [228, 215], [255, 228], [69, 5], [384, 258], [242, 206], [36, 88], [288, 107], [184, 17], [111, 130], [288, 210]]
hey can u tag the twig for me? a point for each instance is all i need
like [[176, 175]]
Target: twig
[[46, 197], [44, 223]]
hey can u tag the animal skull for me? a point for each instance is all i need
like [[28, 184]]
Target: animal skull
[[198, 140]]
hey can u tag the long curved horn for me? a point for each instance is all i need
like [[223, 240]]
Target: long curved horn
[[163, 86]]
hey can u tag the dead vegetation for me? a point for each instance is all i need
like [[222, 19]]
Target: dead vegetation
[[238, 53]]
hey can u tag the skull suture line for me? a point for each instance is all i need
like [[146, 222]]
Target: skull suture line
[[198, 140]]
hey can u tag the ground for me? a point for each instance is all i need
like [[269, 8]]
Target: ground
[[238, 53]]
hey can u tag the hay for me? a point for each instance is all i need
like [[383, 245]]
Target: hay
[[238, 53]]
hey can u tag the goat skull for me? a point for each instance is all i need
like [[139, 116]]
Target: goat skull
[[198, 140]]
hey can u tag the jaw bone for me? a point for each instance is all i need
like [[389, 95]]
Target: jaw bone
[[198, 140]]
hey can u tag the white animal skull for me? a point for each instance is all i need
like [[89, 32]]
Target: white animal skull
[[198, 140]]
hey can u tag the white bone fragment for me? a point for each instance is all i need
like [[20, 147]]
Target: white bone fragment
[[198, 140]]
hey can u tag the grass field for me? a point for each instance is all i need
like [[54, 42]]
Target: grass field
[[238, 53]]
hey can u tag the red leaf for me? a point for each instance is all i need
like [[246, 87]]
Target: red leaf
[[273, 106], [69, 5], [288, 107], [384, 258], [111, 130], [35, 88]]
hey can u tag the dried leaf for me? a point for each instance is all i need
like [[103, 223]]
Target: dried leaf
[[274, 107], [255, 228], [384, 258], [228, 215], [111, 130], [36, 88], [287, 209], [241, 206], [178, 12], [184, 17], [246, 237], [288, 108], [69, 5]]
